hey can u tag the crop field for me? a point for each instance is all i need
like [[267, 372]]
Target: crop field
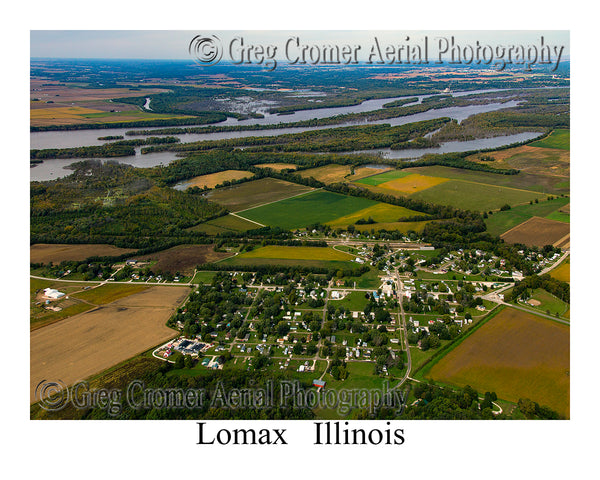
[[475, 196], [254, 193], [562, 272], [109, 292], [227, 223], [515, 354], [183, 258], [298, 212], [277, 166], [338, 173], [408, 184], [537, 182], [539, 232], [280, 255], [85, 344], [213, 179], [56, 253], [560, 216], [380, 213], [529, 159], [383, 177], [500, 222], [559, 138]]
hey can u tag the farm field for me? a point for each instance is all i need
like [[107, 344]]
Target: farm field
[[411, 183], [517, 355], [538, 182], [475, 196], [339, 173], [563, 271], [227, 223], [280, 255], [560, 216], [277, 166], [56, 253], [383, 177], [530, 160], [559, 138], [500, 222], [183, 258], [257, 192], [213, 179], [109, 292], [539, 232], [303, 210], [88, 343], [380, 213]]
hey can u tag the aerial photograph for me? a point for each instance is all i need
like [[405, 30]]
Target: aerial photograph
[[316, 225]]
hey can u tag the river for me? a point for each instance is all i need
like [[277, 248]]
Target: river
[[52, 169]]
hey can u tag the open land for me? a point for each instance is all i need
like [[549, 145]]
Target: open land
[[183, 258], [85, 344], [213, 179], [56, 253], [515, 354], [257, 192], [339, 173], [539, 232]]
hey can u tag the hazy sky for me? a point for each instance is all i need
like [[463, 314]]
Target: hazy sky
[[163, 44]]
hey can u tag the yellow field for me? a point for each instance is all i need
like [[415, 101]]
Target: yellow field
[[214, 179], [412, 183], [562, 272], [297, 253], [381, 213], [338, 173], [277, 166], [61, 113]]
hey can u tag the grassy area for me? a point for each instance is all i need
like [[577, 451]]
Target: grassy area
[[475, 196], [559, 138], [549, 304], [383, 177], [500, 222], [560, 216], [369, 279], [109, 292], [297, 253], [380, 213], [563, 271], [354, 301], [314, 207], [204, 277]]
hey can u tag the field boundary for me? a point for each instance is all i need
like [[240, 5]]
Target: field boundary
[[442, 352], [274, 201]]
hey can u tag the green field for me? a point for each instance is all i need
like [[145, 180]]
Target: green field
[[475, 196], [559, 138], [354, 301], [383, 177], [500, 222], [560, 216], [314, 207], [293, 256], [548, 303]]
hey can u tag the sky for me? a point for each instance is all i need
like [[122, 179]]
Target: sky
[[165, 44]]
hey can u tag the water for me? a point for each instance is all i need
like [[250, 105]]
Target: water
[[456, 146], [51, 169]]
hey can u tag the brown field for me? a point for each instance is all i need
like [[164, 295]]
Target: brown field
[[515, 354], [214, 179], [56, 253], [88, 343], [339, 173], [412, 183], [183, 258], [45, 91], [539, 232], [277, 166], [535, 160], [565, 209], [254, 193]]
